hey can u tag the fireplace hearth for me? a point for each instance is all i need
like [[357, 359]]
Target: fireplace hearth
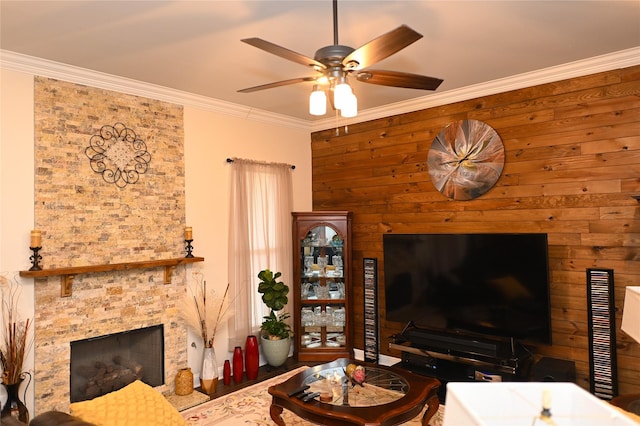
[[107, 363]]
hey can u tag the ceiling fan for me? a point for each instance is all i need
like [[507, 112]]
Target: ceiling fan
[[336, 62]]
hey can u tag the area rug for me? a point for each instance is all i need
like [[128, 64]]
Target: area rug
[[250, 406]]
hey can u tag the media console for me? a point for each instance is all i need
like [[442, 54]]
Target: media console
[[459, 357]]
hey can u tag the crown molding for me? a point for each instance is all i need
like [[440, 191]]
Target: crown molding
[[38, 66], [616, 60], [51, 69]]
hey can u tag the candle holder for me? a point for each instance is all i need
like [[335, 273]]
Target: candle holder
[[188, 247], [35, 259]]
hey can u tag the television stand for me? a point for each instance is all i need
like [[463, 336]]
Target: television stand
[[453, 356]]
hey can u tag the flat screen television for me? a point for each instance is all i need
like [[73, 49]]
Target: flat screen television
[[490, 284]]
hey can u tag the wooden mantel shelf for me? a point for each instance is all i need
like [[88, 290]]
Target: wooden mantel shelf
[[67, 274]]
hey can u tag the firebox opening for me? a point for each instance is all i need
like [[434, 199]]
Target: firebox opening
[[104, 364]]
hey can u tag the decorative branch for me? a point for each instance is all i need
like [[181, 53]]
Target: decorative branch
[[16, 342], [199, 316]]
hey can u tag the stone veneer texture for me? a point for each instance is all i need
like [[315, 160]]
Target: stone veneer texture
[[88, 221]]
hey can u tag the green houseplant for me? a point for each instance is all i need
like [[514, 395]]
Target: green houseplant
[[275, 331]]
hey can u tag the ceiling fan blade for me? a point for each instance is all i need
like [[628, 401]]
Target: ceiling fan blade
[[277, 84], [381, 48], [284, 52], [398, 79]]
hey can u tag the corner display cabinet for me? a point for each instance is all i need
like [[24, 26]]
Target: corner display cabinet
[[322, 284]]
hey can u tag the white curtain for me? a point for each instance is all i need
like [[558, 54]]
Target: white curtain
[[259, 238]]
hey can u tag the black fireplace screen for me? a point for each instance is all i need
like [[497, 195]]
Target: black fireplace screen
[[107, 363]]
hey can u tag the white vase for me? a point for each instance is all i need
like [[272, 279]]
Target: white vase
[[3, 397], [209, 371]]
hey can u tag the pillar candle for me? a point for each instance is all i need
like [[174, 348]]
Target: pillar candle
[[226, 372], [238, 367], [188, 233], [251, 357], [546, 398], [36, 238]]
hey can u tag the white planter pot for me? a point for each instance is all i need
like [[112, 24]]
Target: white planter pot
[[275, 352]]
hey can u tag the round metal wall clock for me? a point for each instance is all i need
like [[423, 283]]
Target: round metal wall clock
[[465, 159]]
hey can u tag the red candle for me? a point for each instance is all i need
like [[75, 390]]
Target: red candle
[[226, 372], [238, 367], [251, 357]]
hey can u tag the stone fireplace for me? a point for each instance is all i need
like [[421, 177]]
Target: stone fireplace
[[107, 363], [86, 219], [103, 304]]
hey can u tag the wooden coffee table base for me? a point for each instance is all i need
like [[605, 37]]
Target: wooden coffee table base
[[421, 391], [276, 415]]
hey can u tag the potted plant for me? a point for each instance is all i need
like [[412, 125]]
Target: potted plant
[[275, 332]]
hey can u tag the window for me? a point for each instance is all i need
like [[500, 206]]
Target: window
[[259, 238]]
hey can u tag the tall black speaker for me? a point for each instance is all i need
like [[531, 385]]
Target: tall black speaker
[[603, 369], [553, 370], [370, 271]]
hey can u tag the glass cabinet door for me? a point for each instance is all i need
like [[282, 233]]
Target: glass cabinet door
[[322, 292]]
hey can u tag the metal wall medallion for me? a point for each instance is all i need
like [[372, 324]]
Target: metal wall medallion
[[465, 159], [118, 154]]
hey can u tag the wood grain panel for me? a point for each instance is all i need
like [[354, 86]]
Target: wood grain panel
[[572, 163]]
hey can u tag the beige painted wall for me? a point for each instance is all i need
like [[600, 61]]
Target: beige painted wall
[[209, 139], [16, 186]]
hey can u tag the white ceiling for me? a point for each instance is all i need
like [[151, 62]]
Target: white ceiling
[[195, 47]]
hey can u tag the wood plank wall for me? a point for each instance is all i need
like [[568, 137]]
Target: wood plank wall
[[572, 165]]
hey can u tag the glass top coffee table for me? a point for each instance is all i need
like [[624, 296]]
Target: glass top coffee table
[[388, 396]]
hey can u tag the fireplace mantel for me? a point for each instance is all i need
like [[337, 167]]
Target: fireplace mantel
[[67, 274]]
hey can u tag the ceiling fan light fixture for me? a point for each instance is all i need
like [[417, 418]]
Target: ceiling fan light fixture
[[350, 109], [336, 62], [317, 102], [341, 93]]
